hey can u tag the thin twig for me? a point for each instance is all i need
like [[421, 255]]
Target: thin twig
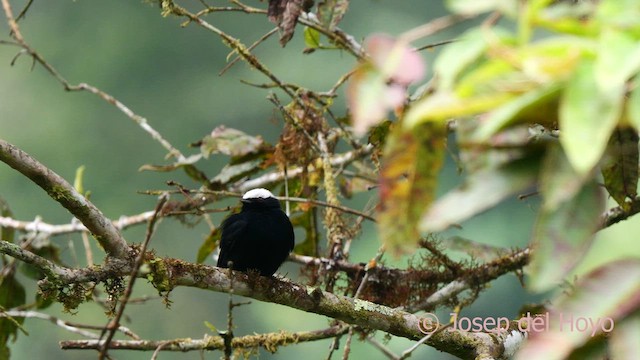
[[37, 58], [251, 47], [115, 323], [383, 349], [210, 342], [73, 327]]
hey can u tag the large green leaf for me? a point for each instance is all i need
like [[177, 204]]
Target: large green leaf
[[408, 181], [618, 59], [587, 117], [536, 106], [559, 182], [481, 191], [458, 56], [596, 305], [562, 234]]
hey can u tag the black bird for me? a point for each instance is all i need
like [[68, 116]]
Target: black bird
[[259, 237]]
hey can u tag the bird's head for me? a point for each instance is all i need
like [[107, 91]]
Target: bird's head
[[259, 197]]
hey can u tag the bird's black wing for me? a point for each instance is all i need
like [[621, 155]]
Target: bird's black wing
[[233, 228]]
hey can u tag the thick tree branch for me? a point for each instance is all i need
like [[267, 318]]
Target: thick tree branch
[[60, 190], [170, 273]]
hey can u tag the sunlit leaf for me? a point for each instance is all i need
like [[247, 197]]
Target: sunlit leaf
[[596, 304], [619, 13], [458, 56], [553, 59], [532, 107], [311, 38], [568, 18], [472, 7], [495, 75], [481, 191], [79, 179], [444, 106], [587, 118], [562, 235], [408, 180], [620, 168], [330, 12], [633, 108], [618, 59]]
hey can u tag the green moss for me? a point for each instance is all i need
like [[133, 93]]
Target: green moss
[[58, 193], [159, 277]]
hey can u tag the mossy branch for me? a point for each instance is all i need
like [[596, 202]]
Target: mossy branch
[[61, 191]]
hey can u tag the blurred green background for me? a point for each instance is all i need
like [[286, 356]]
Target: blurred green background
[[169, 74]]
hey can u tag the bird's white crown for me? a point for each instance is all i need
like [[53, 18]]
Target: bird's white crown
[[259, 193]]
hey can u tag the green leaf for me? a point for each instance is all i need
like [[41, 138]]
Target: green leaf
[[633, 108], [408, 181], [536, 106], [476, 7], [618, 59], [458, 56], [444, 106], [599, 300], [620, 168], [209, 245], [561, 235], [559, 182], [619, 13], [311, 38], [330, 12], [481, 191], [78, 180], [587, 118], [6, 233]]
